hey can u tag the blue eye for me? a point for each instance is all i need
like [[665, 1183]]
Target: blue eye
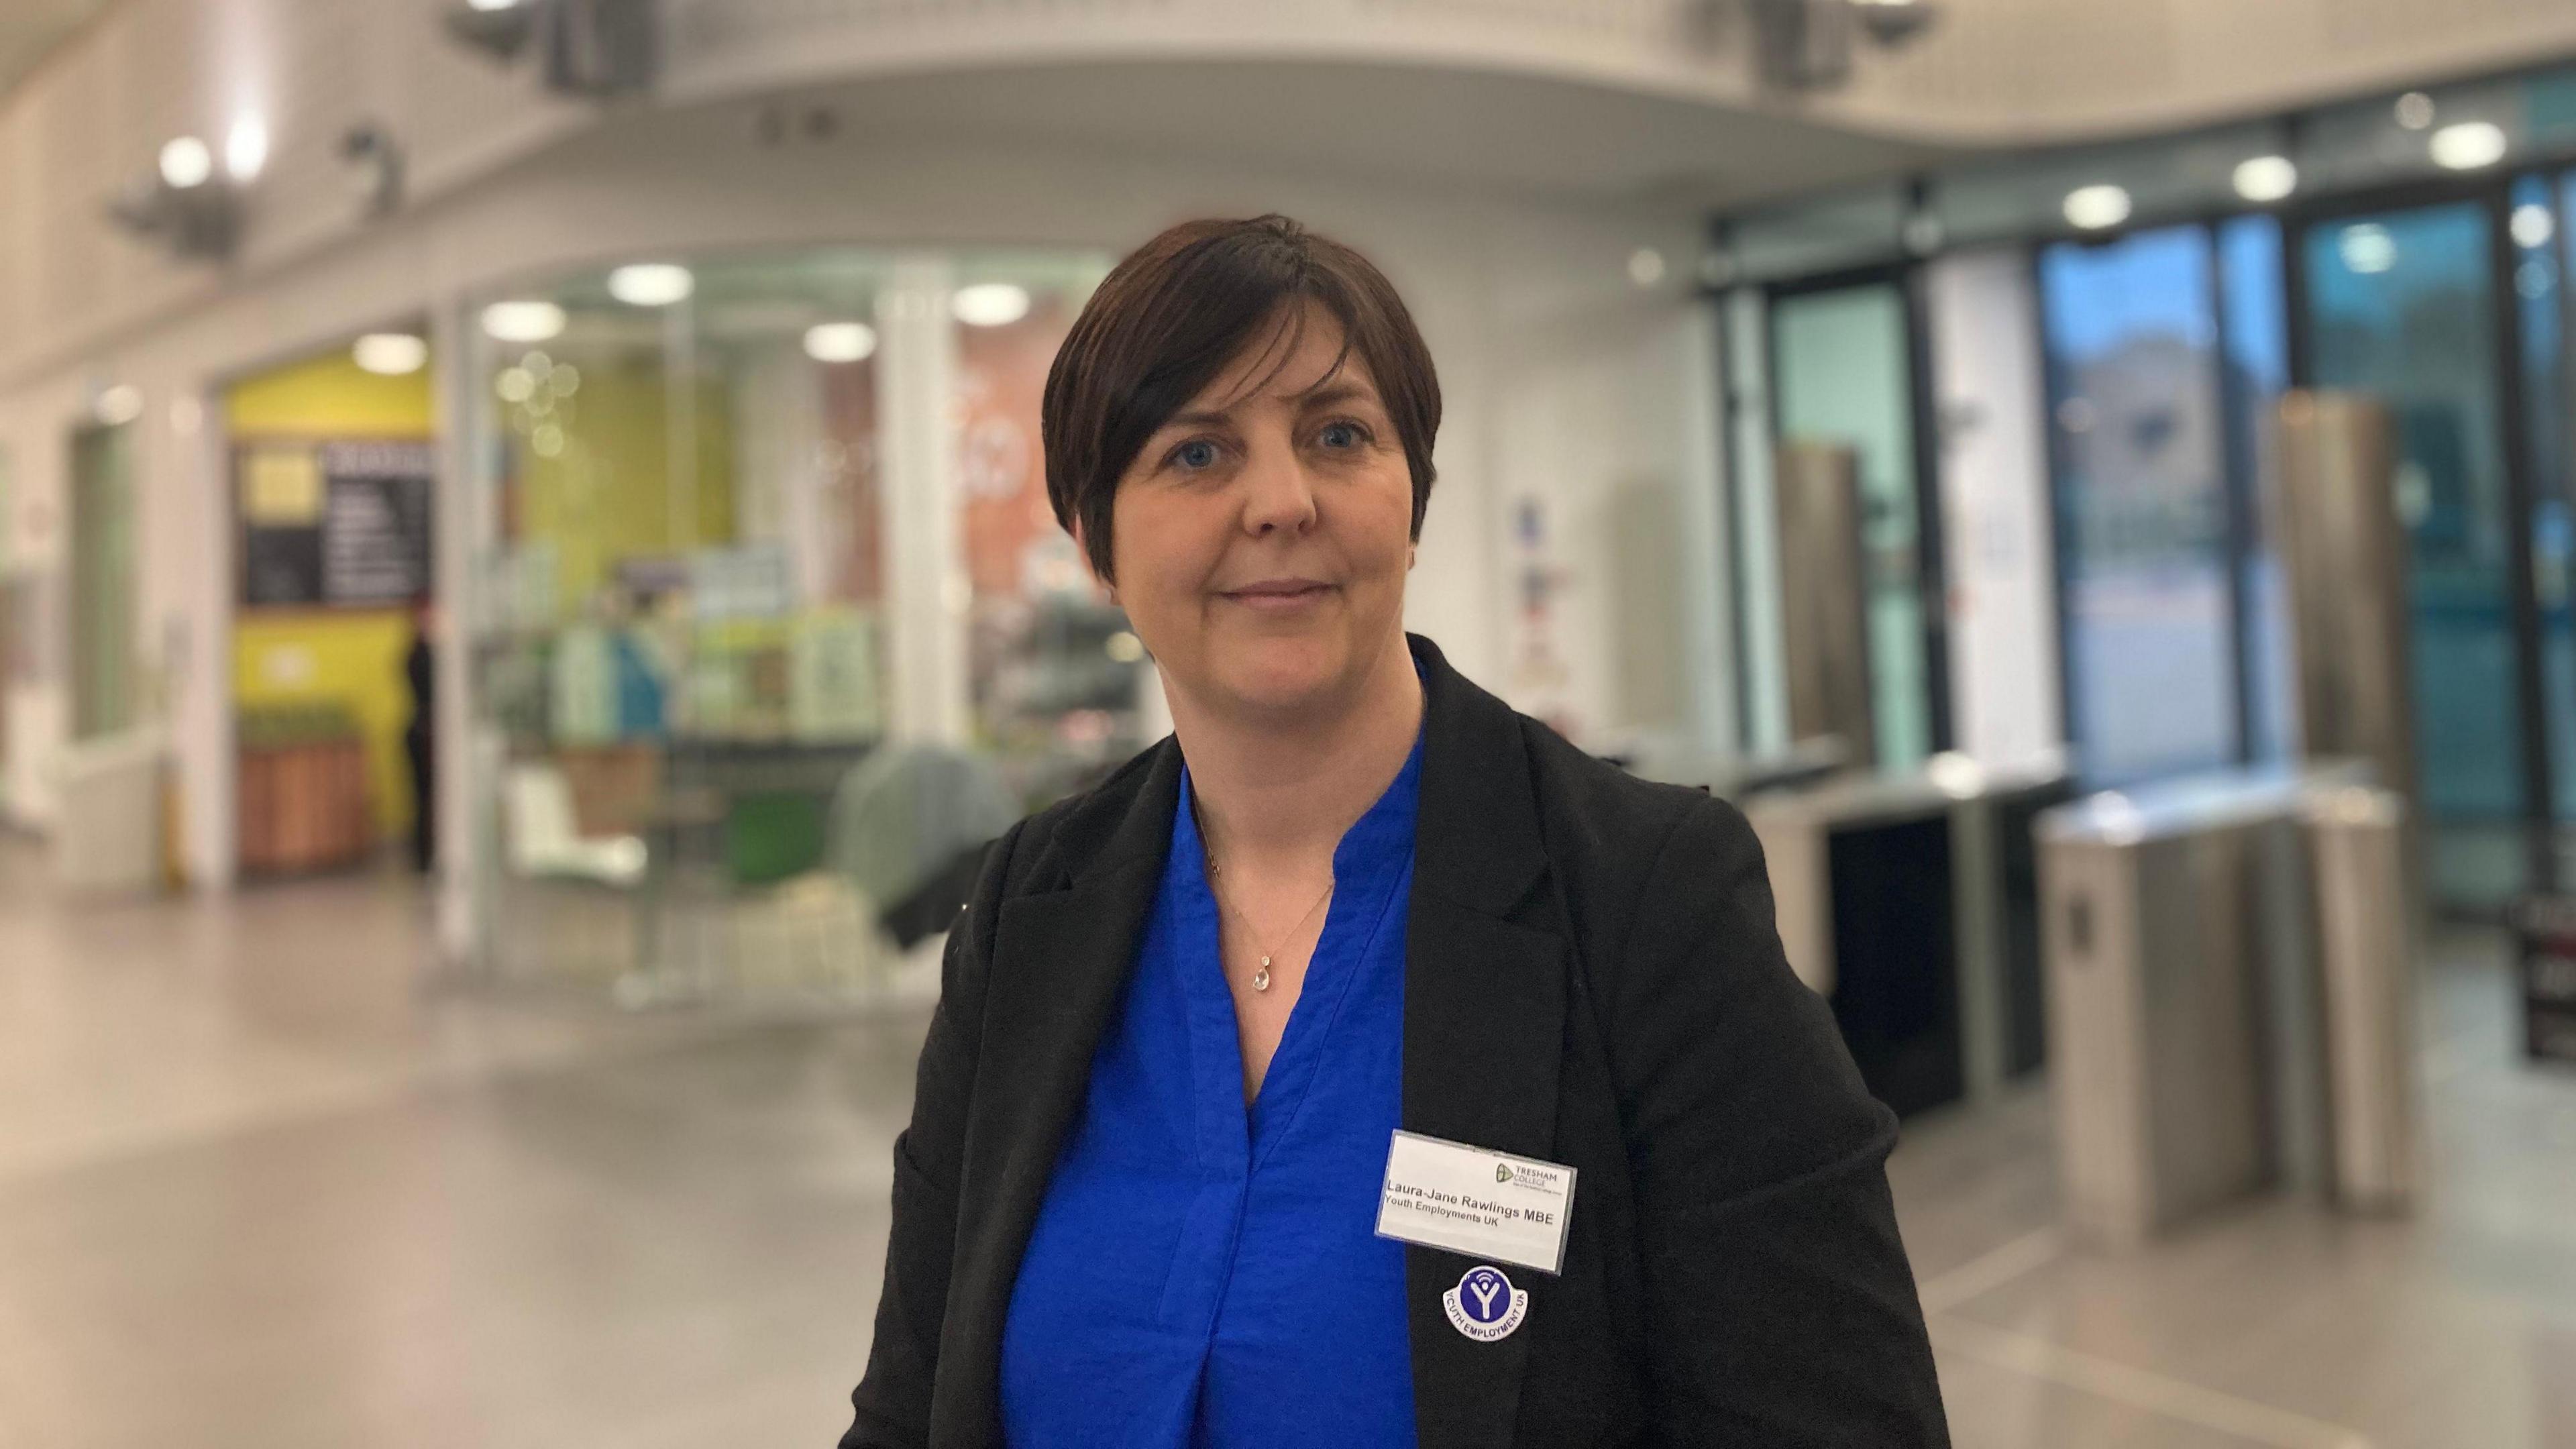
[[1339, 436], [1196, 453]]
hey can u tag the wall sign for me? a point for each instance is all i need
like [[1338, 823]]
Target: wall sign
[[342, 524]]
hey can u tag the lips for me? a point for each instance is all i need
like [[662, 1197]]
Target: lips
[[1279, 595]]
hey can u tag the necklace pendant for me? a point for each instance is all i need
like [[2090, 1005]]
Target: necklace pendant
[[1261, 977]]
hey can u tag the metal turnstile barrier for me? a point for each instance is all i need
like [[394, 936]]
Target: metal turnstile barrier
[[1911, 904], [2231, 999]]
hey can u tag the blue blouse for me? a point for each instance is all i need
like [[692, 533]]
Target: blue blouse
[[1201, 1274]]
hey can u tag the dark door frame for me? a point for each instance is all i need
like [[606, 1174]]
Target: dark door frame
[[2492, 192]]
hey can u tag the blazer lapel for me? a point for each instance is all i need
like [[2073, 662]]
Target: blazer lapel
[[1484, 1024], [1059, 961]]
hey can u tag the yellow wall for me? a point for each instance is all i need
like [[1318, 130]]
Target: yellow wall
[[611, 493], [349, 657]]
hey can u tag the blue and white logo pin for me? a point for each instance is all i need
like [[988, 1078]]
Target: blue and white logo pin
[[1485, 1306]]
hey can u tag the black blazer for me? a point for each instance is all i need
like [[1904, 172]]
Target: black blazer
[[1591, 977]]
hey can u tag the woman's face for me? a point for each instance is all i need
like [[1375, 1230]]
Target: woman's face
[[1261, 536]]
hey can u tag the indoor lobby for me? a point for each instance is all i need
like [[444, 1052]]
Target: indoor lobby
[[529, 586]]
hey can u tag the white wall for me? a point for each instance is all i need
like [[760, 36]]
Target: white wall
[[1995, 502]]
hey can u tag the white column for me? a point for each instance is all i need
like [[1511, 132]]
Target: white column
[[926, 584], [1757, 527], [200, 645], [1995, 504], [464, 525]]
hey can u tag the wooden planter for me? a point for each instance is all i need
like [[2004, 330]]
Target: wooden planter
[[303, 806]]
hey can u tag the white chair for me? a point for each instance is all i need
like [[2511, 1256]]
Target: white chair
[[545, 841]]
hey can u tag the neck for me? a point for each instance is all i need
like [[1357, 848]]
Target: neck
[[1273, 790]]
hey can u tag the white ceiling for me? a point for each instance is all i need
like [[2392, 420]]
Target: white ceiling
[[30, 29], [1525, 132]]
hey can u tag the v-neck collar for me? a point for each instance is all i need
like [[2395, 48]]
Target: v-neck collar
[[1372, 859]]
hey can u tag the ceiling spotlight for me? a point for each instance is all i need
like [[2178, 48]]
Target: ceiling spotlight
[[2093, 208], [1645, 266], [2414, 110], [120, 404], [246, 148], [651, 284], [840, 341], [990, 304], [523, 321], [2468, 145], [390, 354], [186, 163], [2533, 226], [2265, 179]]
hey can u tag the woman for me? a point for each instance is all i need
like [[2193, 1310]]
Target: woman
[[1362, 1065]]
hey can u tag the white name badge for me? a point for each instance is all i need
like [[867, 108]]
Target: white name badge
[[1468, 1200]]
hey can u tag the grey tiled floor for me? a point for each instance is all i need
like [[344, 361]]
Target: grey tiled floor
[[258, 1188]]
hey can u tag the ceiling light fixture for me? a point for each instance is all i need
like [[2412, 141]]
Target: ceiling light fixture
[[2468, 145], [651, 284], [2095, 208], [840, 341], [186, 163], [390, 354], [990, 304], [523, 321], [2266, 179]]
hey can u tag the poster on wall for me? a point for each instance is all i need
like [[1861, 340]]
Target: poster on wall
[[342, 524]]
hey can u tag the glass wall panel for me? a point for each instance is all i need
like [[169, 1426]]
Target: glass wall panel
[[1842, 375], [2141, 503], [773, 627], [2400, 305], [2540, 221]]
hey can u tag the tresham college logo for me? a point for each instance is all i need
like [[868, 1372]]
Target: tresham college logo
[[1485, 1306]]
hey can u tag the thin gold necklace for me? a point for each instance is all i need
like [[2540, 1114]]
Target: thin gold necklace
[[1261, 973]]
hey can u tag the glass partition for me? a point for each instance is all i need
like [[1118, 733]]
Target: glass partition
[[2141, 503], [2401, 305], [773, 628], [1842, 374]]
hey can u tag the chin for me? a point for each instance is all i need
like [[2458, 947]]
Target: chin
[[1285, 675]]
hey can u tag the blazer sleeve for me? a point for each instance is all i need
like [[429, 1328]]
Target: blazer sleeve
[[1781, 1309], [892, 1401]]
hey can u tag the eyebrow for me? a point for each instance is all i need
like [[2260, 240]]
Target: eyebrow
[[1330, 394]]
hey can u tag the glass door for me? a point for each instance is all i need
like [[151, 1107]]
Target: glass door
[[2139, 441], [1843, 373], [2402, 305]]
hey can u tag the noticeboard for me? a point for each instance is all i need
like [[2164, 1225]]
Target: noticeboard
[[2546, 926], [340, 524]]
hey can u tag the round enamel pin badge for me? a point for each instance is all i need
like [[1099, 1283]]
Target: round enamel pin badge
[[1485, 1306]]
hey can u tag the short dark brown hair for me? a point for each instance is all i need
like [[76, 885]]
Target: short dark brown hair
[[1171, 317]]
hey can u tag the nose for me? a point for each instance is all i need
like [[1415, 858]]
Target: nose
[[1279, 496]]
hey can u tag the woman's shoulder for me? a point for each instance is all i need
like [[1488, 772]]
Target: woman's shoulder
[[1604, 822]]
